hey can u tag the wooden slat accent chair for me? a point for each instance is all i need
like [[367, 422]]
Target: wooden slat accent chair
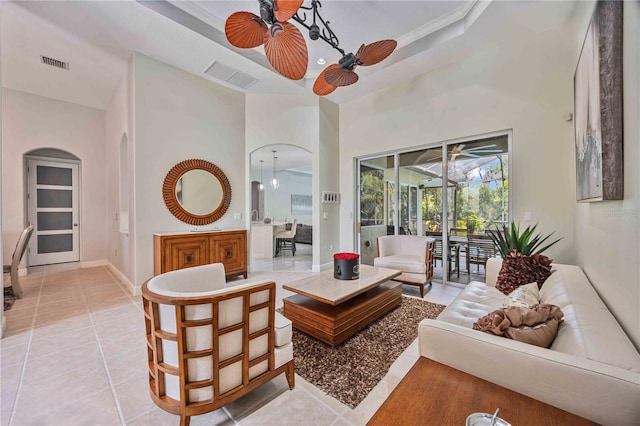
[[480, 248], [411, 254], [208, 344]]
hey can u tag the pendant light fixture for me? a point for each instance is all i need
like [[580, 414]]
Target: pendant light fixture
[[261, 185], [274, 180]]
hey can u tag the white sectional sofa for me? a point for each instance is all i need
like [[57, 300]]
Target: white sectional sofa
[[592, 369]]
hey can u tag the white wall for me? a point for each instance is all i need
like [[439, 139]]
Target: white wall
[[286, 119], [527, 89], [310, 123], [607, 234], [277, 203], [117, 123], [328, 221], [179, 116], [32, 122], [3, 320]]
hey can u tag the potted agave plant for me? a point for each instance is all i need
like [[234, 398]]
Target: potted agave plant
[[522, 258]]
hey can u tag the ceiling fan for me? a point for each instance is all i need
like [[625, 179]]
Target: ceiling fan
[[475, 152], [285, 47]]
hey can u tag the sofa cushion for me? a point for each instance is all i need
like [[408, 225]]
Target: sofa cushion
[[283, 330], [593, 333], [475, 301], [568, 285], [405, 263]]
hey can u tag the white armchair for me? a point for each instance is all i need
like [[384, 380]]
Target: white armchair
[[411, 254], [209, 344]]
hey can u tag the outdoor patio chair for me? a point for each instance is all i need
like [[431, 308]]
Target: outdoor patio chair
[[452, 257], [480, 248]]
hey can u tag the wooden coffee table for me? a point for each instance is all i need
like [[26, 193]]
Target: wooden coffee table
[[333, 310], [436, 394]]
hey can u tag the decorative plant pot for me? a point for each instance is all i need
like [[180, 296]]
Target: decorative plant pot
[[346, 266]]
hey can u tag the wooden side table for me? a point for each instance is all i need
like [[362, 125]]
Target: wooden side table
[[435, 394]]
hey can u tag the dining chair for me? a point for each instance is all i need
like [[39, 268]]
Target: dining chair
[[18, 253], [285, 240]]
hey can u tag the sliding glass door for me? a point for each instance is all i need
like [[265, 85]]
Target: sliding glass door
[[376, 201], [452, 192]]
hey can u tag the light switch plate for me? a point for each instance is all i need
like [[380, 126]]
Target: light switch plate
[[528, 217]]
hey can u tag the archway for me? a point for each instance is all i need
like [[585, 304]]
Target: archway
[[281, 193]]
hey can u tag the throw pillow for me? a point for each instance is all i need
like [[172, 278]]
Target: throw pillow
[[524, 296], [541, 335], [518, 270], [537, 325]]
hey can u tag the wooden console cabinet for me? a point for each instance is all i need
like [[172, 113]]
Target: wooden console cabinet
[[172, 251]]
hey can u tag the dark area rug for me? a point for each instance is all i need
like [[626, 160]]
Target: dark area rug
[[349, 371], [9, 298]]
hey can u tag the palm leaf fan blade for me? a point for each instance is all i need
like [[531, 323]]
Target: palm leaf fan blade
[[286, 50], [340, 77], [371, 54], [321, 87], [245, 30], [284, 10]]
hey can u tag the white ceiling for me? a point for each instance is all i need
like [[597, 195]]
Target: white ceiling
[[98, 37]]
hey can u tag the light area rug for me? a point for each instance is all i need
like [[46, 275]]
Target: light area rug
[[351, 370]]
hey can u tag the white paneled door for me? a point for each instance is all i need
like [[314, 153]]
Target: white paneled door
[[53, 210]]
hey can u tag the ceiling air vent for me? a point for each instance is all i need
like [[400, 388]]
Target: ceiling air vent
[[54, 62], [230, 75]]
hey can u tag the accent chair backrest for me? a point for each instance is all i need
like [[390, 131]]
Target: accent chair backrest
[[414, 245], [206, 341]]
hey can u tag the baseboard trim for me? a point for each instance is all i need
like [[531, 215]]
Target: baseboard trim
[[323, 267], [135, 291], [94, 263]]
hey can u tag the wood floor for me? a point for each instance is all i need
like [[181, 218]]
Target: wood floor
[[433, 393]]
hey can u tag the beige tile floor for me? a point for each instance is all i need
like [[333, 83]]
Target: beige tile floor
[[74, 354], [285, 261]]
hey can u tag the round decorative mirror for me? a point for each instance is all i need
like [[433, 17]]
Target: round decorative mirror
[[196, 192]]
